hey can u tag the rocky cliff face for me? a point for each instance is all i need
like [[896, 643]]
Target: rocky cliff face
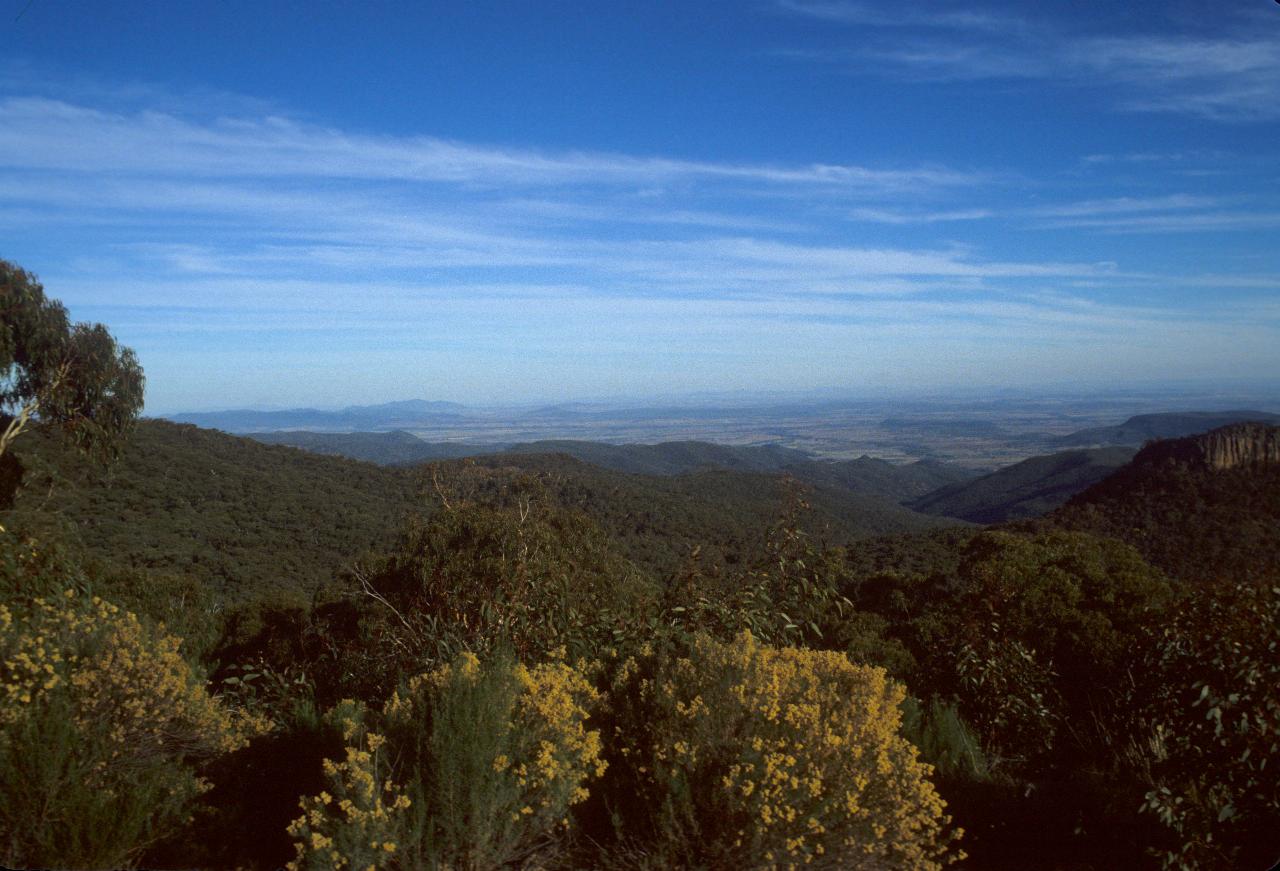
[[1228, 447]]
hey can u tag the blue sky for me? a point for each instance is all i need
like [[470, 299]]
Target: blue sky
[[310, 203]]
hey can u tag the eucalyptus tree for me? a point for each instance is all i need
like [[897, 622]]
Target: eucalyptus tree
[[70, 375]]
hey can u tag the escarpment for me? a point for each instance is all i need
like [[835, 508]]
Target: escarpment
[[1227, 447]]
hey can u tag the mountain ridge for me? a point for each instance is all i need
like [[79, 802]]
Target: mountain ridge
[[864, 475], [1023, 490], [1141, 428]]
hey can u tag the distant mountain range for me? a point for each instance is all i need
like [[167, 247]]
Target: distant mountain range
[[1023, 490], [1142, 428], [388, 415], [864, 476], [395, 448]]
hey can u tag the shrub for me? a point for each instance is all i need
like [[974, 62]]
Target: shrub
[[100, 718], [360, 823], [1037, 638], [744, 755], [789, 595], [944, 740], [1008, 694], [1213, 680], [865, 638], [488, 759], [526, 575]]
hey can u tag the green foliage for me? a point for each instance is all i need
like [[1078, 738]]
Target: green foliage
[[1075, 599], [943, 739], [232, 515], [789, 594], [1036, 636], [656, 521], [60, 811], [520, 573], [30, 567], [1215, 716], [865, 638], [1008, 693], [73, 375]]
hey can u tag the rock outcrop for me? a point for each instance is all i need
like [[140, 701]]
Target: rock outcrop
[[1228, 447]]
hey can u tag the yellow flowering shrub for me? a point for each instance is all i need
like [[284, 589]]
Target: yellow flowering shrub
[[745, 755], [491, 757], [359, 823], [99, 715]]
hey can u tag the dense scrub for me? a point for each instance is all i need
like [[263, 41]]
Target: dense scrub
[[236, 516], [1193, 522]]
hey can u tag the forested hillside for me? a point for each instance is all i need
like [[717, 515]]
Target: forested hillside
[[243, 516], [301, 580], [1027, 489], [1190, 512], [237, 515]]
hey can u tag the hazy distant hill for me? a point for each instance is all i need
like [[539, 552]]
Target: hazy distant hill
[[864, 476], [1027, 489], [388, 415], [1142, 428], [1204, 507], [898, 482], [867, 476]]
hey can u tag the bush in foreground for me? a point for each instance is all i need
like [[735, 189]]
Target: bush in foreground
[[744, 755], [472, 766], [1213, 677], [100, 721]]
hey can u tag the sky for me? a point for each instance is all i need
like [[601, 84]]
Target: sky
[[321, 203]]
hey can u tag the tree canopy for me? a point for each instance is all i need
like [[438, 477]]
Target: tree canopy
[[70, 374]]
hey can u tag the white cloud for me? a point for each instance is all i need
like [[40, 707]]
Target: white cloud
[[891, 216], [1231, 75], [1127, 205], [899, 15], [38, 133]]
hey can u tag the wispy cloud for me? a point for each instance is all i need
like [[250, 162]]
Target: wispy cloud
[[1227, 78], [1128, 205], [1231, 75], [903, 16], [1172, 223], [38, 133], [1173, 213], [891, 216]]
